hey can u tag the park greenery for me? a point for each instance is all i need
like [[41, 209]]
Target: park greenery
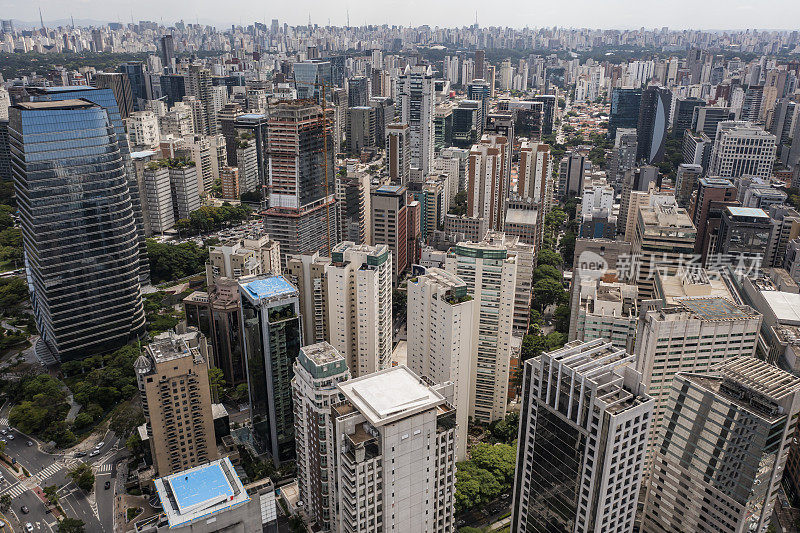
[[40, 406], [71, 525], [459, 206], [209, 218], [169, 262]]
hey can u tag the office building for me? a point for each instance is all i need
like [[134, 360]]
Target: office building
[[684, 112], [359, 287], [697, 149], [301, 181], [417, 109], [583, 420], [253, 255], [395, 454], [636, 186], [744, 236], [272, 340], [742, 149], [693, 335], [523, 220], [354, 206], [654, 113], [711, 197], [549, 104], [488, 179], [391, 225], [491, 276], [571, 171], [625, 103], [706, 119], [623, 155], [317, 371], [5, 152], [467, 124], [720, 452], [664, 236], [120, 86], [785, 228], [442, 339], [398, 152], [185, 189], [443, 127], [310, 77], [172, 376], [360, 129], [167, 50], [357, 91], [80, 261], [686, 183], [607, 310]]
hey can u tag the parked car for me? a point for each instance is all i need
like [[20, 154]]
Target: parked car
[[28, 527], [24, 509], [30, 443], [108, 485], [80, 454]]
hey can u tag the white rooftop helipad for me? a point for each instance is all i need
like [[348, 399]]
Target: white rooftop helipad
[[389, 393]]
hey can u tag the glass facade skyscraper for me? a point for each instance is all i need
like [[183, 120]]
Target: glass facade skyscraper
[[78, 227], [105, 99], [625, 104]]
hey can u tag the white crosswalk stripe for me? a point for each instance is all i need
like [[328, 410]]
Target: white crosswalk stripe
[[3, 421], [105, 468], [49, 471], [14, 490]]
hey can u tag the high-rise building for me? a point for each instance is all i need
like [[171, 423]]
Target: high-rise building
[[625, 104], [80, 244], [135, 72], [480, 66], [360, 129], [583, 420], [742, 149], [120, 86], [549, 105], [744, 236], [185, 189], [607, 310], [721, 449], [623, 155], [172, 375], [301, 181], [390, 225], [711, 197], [357, 91], [143, 129], [686, 183], [354, 206], [692, 335], [706, 119], [697, 149], [5, 152], [229, 179], [664, 235], [442, 339], [167, 51], [535, 179], [272, 340], [317, 371], [105, 98], [359, 285], [395, 454], [488, 179], [571, 171], [398, 152], [198, 84], [417, 109], [157, 209], [307, 273], [309, 78], [653, 123], [637, 184], [684, 112], [491, 276]]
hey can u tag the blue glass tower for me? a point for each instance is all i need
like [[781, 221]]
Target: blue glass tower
[[78, 228], [624, 109]]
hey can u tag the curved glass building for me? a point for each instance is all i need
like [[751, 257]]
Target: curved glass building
[[78, 227]]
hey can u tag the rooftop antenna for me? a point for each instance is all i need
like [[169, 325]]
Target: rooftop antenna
[[348, 18], [71, 18], [309, 20]]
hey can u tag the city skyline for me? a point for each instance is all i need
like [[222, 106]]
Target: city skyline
[[610, 14]]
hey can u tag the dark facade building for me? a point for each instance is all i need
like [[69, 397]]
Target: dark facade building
[[683, 115], [357, 91], [625, 104], [78, 227], [167, 51], [653, 122], [173, 87], [120, 86], [549, 103], [744, 235], [5, 152], [137, 79], [712, 197]]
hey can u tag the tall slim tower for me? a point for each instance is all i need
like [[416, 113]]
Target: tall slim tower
[[417, 109], [78, 228]]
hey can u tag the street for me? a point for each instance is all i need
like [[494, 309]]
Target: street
[[51, 469]]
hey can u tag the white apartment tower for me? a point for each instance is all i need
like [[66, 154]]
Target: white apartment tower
[[722, 449], [417, 109], [317, 370], [442, 339], [584, 421], [535, 179], [398, 152], [143, 129], [395, 454], [488, 179], [359, 282], [490, 273]]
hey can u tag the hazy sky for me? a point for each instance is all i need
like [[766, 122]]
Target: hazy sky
[[678, 14]]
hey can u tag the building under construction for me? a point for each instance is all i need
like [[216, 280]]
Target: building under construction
[[301, 211]]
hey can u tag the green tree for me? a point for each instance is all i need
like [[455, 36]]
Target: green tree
[[71, 525], [545, 256], [499, 459], [567, 246], [399, 304], [505, 430], [546, 271], [51, 491], [169, 262], [474, 486], [5, 503], [561, 316], [547, 292], [83, 477], [297, 524], [216, 381], [459, 206]]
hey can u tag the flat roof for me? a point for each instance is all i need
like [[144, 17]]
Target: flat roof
[[76, 103], [391, 189], [67, 88], [269, 287], [390, 393], [785, 306], [250, 116], [521, 216], [199, 485], [143, 154], [714, 308], [200, 492], [747, 212]]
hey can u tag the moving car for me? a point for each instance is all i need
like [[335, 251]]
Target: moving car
[[28, 527], [24, 509], [108, 485]]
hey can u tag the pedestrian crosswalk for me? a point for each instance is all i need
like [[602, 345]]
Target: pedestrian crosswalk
[[49, 471], [105, 468], [14, 490], [4, 422]]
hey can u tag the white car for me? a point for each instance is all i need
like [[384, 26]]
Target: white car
[[94, 453], [10, 436], [28, 527], [99, 445]]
